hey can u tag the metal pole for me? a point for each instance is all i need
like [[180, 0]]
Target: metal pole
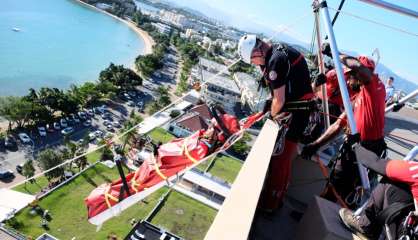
[[341, 82], [122, 176], [321, 70], [392, 7], [403, 100]]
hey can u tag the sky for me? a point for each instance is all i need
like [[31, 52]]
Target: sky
[[398, 51]]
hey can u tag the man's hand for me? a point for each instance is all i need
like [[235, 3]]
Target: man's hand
[[309, 150], [267, 106], [326, 49], [398, 107], [320, 79]]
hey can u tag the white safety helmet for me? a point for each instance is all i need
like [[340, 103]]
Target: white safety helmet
[[245, 47]]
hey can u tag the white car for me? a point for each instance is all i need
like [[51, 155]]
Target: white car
[[24, 138], [67, 130], [106, 122], [92, 135], [42, 131], [131, 104], [57, 126], [63, 123]]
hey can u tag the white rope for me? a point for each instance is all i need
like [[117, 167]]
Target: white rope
[[375, 22]]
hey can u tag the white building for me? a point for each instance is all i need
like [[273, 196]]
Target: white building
[[162, 28], [174, 18], [222, 90], [249, 94]]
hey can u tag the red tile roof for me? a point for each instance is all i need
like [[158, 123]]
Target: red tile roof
[[192, 122]]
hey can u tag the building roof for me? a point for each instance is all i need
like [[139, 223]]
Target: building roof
[[217, 67], [12, 201], [193, 122], [207, 182], [246, 81], [203, 111], [220, 81], [146, 231]]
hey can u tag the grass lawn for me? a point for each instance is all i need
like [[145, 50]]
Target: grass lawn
[[184, 216], [41, 182], [225, 168], [32, 188], [94, 156], [69, 214], [161, 135], [202, 167]]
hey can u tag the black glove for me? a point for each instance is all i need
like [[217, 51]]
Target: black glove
[[267, 106], [398, 107], [326, 49], [320, 79], [309, 150]]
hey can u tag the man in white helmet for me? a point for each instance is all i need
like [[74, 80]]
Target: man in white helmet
[[286, 73]]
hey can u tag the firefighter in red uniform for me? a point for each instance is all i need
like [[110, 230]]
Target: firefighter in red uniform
[[286, 73], [369, 114], [368, 107]]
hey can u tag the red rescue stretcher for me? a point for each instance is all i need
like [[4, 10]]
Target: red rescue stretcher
[[173, 160]]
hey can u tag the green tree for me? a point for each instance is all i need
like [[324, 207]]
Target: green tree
[[121, 77], [129, 135], [28, 170], [49, 159], [241, 147], [15, 110]]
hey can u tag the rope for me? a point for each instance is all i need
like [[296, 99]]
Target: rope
[[324, 172], [375, 22]]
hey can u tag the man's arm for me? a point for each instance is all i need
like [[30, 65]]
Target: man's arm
[[331, 132], [362, 73], [278, 100]]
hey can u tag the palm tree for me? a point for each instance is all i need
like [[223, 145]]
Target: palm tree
[[129, 135]]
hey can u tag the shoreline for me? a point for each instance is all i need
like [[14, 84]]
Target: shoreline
[[148, 41]]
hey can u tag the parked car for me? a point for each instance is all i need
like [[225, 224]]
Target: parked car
[[131, 104], [106, 122], [116, 124], [99, 133], [132, 93], [24, 138], [70, 121], [90, 112], [92, 136], [108, 135], [126, 96], [19, 168], [87, 123], [82, 115], [6, 174], [63, 123], [110, 128], [106, 115], [67, 130], [57, 126], [10, 142], [42, 131]]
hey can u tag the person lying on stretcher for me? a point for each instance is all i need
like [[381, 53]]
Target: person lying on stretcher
[[169, 160]]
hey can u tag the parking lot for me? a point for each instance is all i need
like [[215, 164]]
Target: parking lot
[[117, 112]]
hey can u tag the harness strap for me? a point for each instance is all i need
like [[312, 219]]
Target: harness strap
[[388, 215], [157, 169], [187, 153], [108, 197]]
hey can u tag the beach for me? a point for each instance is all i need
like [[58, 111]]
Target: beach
[[148, 41]]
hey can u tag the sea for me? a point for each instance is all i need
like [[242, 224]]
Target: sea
[[56, 43]]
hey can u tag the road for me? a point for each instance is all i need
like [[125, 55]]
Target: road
[[118, 110]]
